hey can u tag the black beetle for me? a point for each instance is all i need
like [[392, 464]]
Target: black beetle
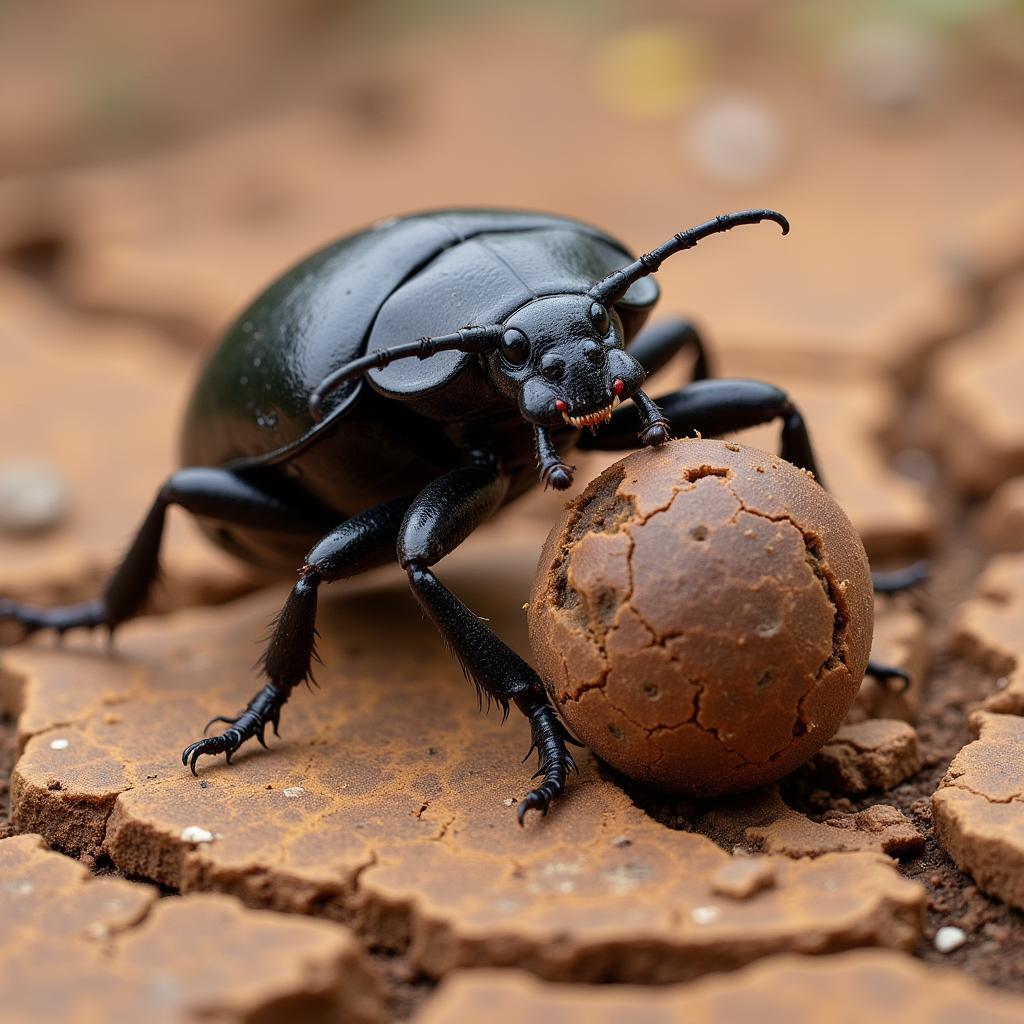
[[309, 426]]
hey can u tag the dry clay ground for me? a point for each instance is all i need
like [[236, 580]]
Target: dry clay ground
[[359, 869]]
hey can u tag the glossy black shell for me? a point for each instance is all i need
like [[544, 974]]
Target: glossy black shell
[[392, 432]]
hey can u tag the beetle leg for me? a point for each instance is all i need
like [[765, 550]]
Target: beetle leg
[[710, 408], [654, 429], [553, 471], [440, 518], [889, 676], [363, 542], [895, 581], [656, 345], [214, 493]]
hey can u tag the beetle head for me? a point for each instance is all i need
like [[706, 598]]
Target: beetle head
[[561, 358]]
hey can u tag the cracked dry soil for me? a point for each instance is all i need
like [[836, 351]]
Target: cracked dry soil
[[952, 899], [953, 688], [704, 619]]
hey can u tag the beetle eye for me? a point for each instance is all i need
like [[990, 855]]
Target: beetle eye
[[599, 316], [515, 347]]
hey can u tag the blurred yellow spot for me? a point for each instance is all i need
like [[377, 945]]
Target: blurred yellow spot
[[647, 72]]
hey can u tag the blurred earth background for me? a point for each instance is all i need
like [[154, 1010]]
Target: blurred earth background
[[161, 162]]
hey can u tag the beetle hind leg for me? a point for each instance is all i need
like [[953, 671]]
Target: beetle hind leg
[[212, 493]]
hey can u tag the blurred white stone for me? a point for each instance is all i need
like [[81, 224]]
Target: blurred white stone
[[949, 938], [195, 834], [889, 67], [734, 140], [33, 497], [705, 915]]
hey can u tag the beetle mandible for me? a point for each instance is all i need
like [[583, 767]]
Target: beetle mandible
[[310, 426]]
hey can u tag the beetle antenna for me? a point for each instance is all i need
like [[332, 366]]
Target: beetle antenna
[[469, 339], [609, 290]]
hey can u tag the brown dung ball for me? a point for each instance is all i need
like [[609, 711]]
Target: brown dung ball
[[702, 616]]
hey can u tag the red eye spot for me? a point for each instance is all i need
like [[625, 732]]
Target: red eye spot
[[618, 386], [560, 405]]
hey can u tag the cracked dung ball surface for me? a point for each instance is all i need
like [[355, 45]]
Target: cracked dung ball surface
[[702, 616]]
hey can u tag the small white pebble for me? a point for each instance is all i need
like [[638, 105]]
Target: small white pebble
[[735, 140], [705, 915], [60, 744], [949, 938], [889, 67], [293, 792], [195, 834], [33, 497], [509, 802]]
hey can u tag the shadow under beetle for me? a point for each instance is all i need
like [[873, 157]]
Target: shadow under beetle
[[309, 426]]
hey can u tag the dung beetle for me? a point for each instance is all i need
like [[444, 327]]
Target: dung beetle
[[394, 390]]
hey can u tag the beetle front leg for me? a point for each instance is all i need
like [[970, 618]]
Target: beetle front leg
[[715, 407], [553, 471], [655, 429], [710, 408], [443, 515]]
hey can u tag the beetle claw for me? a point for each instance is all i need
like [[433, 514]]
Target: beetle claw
[[226, 743], [555, 762], [217, 718], [655, 433], [263, 709], [557, 475]]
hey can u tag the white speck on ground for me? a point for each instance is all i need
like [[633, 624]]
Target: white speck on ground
[[705, 915], [949, 938], [59, 744], [195, 834]]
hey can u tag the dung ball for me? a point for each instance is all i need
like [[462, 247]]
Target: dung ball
[[702, 616]]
